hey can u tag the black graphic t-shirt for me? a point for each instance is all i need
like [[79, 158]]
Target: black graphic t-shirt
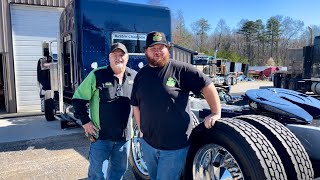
[[162, 97]]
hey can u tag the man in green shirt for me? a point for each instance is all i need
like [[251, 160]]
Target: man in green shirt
[[107, 90]]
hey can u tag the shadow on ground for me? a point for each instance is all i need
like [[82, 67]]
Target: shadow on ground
[[70, 141]]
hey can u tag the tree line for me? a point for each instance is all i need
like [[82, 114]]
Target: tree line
[[253, 41]]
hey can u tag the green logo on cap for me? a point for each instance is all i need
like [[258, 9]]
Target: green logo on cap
[[171, 82], [157, 37]]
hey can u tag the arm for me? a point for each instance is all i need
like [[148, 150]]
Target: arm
[[197, 82], [136, 113], [81, 97], [212, 97]]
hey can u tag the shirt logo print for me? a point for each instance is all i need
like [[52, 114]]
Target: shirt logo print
[[171, 82], [107, 84]]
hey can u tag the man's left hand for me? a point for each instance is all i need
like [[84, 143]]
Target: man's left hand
[[210, 120]]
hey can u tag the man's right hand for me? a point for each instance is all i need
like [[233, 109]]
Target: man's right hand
[[89, 128]]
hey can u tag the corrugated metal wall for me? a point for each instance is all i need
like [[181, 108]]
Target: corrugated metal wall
[[181, 55], [1, 30], [5, 17], [54, 3], [6, 44]]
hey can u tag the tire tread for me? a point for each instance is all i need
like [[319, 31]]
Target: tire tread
[[293, 147]]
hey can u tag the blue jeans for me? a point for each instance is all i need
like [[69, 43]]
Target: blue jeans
[[163, 164], [116, 152]]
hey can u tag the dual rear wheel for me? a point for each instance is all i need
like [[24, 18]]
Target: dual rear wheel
[[245, 147]]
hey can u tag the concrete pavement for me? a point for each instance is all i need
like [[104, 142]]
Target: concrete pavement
[[31, 127]]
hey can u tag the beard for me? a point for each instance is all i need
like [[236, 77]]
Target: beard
[[158, 63], [119, 66]]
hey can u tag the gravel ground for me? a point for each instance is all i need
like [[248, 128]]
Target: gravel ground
[[59, 157], [242, 86], [63, 157]]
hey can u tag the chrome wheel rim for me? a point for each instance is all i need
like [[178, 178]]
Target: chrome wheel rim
[[213, 162], [137, 152]]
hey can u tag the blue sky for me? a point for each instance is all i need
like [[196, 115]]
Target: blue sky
[[232, 11]]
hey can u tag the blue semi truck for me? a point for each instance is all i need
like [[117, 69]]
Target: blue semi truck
[[87, 30], [232, 149]]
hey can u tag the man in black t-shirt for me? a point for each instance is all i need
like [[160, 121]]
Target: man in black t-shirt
[[160, 106]]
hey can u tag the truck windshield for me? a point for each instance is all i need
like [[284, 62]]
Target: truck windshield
[[135, 42]]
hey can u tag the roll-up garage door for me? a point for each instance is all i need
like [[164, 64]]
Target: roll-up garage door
[[31, 26]]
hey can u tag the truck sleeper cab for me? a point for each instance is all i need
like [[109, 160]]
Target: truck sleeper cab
[[87, 30]]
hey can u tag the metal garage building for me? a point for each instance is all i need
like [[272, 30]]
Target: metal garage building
[[24, 26]]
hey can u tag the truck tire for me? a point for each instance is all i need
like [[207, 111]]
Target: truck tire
[[284, 83], [293, 155], [232, 149], [277, 80], [293, 84], [233, 81], [227, 81], [136, 161], [49, 109]]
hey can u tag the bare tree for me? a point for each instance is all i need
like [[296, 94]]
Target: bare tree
[[256, 40], [291, 29], [200, 29], [180, 35], [222, 32]]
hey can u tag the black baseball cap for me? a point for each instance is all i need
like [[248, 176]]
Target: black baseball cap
[[119, 46], [155, 37]]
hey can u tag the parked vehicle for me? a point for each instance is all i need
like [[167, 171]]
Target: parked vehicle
[[221, 71], [87, 30], [202, 59], [273, 122], [303, 69]]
